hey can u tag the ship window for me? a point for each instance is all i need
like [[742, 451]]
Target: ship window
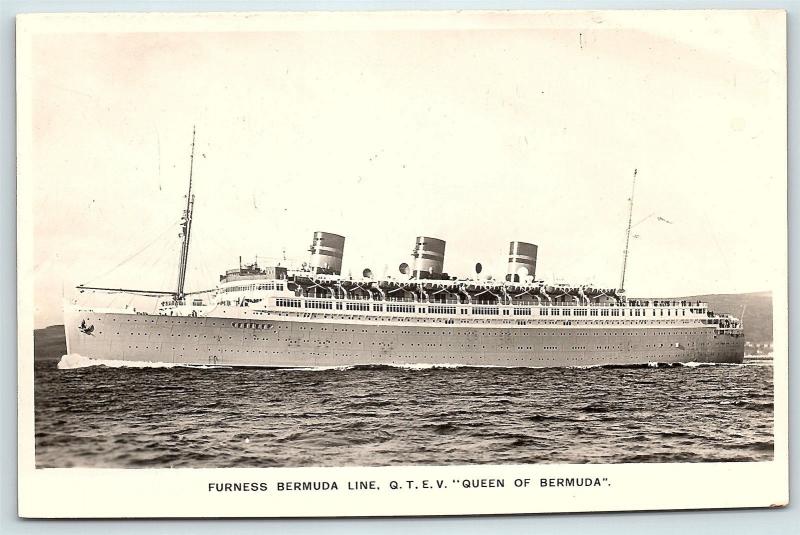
[[319, 305]]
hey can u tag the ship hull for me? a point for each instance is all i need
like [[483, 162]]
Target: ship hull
[[275, 342]]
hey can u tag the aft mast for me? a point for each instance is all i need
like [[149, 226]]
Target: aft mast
[[628, 233], [186, 230]]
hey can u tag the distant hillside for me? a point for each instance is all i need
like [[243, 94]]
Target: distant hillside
[[49, 343], [757, 315]]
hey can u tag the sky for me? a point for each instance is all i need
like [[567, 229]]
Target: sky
[[476, 128]]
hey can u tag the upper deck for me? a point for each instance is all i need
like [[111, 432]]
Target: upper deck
[[450, 303]]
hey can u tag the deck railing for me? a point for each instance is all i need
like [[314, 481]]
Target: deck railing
[[516, 302]]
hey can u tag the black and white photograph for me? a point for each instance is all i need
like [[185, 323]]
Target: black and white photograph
[[307, 245]]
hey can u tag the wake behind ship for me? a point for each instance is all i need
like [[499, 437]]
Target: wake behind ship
[[278, 317]]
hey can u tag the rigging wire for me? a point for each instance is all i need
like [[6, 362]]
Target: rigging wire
[[165, 253], [159, 258], [167, 277], [134, 255]]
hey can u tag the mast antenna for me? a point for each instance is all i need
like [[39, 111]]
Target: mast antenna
[[628, 233], [186, 229]]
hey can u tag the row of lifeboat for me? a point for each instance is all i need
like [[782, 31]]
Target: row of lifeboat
[[472, 287]]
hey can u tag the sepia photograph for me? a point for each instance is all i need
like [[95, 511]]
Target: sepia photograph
[[377, 240]]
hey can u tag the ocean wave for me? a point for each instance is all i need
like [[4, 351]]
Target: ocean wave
[[410, 366], [385, 416], [692, 364], [751, 405], [706, 364], [77, 361], [595, 408], [655, 364], [429, 366], [317, 368], [600, 366], [442, 428], [74, 361], [423, 366]]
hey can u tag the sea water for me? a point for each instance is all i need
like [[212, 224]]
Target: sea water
[[109, 414]]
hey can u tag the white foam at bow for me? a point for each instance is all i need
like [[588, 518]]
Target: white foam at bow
[[74, 361]]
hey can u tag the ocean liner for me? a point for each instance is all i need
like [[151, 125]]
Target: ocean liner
[[273, 316]]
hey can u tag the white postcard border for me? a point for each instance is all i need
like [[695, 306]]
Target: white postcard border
[[80, 492]]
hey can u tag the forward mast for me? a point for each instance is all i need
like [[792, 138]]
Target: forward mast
[[186, 230]]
